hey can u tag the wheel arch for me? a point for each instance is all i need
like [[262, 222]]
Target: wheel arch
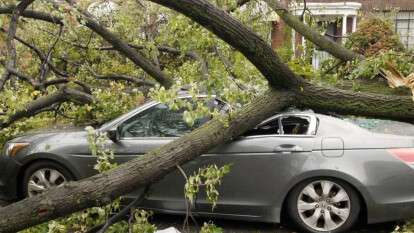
[[362, 193]]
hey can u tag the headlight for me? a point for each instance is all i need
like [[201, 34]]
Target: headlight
[[12, 148]]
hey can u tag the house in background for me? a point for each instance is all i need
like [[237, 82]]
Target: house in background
[[341, 18]]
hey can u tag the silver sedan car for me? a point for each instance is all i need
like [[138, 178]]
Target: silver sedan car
[[322, 173]]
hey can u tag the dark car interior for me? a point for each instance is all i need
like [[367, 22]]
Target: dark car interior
[[286, 125]]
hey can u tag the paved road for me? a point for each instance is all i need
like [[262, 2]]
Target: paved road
[[164, 221]]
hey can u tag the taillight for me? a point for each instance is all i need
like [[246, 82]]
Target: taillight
[[404, 154]]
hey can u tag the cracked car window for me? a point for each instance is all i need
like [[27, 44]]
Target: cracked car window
[[160, 121]]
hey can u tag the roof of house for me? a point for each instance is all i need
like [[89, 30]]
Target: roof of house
[[377, 5]]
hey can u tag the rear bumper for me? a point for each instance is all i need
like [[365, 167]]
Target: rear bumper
[[391, 212], [9, 170]]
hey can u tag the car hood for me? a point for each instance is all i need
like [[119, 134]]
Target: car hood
[[46, 134]]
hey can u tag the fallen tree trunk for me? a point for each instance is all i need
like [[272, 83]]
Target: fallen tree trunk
[[333, 100], [103, 188]]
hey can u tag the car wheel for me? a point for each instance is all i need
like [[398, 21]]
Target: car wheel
[[43, 175], [323, 205]]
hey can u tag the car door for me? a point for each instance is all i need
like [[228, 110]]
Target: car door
[[262, 162], [148, 130]]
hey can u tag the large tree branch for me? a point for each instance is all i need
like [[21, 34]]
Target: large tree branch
[[38, 105], [332, 100]]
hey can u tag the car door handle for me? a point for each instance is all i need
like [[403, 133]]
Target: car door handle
[[288, 148]]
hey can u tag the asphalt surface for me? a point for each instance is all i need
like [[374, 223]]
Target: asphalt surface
[[230, 226], [163, 221]]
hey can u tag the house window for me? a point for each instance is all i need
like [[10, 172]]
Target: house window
[[404, 25]]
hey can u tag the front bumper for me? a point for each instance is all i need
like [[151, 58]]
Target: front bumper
[[9, 170]]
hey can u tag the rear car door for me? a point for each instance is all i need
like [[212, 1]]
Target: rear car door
[[262, 163]]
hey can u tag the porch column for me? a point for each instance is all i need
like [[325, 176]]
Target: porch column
[[354, 23], [344, 27]]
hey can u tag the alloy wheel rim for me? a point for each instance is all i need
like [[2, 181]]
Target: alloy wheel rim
[[324, 205], [43, 179]]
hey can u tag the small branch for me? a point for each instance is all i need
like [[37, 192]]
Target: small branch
[[42, 86], [121, 77], [22, 77], [10, 46], [202, 61], [335, 36], [188, 212], [239, 4], [229, 69], [33, 14], [45, 65], [302, 17], [310, 34], [40, 54], [122, 213], [122, 47], [84, 86]]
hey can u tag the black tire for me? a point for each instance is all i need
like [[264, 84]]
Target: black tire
[[36, 166], [294, 215]]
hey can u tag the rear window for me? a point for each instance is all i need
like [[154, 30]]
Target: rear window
[[295, 125]]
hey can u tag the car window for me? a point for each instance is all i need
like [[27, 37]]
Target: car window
[[158, 121], [268, 128], [286, 125], [295, 125]]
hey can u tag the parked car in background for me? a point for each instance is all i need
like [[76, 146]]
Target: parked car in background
[[323, 173]]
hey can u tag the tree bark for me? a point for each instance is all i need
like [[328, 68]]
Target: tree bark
[[333, 100], [102, 188]]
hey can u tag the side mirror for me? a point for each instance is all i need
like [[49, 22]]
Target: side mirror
[[113, 134]]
